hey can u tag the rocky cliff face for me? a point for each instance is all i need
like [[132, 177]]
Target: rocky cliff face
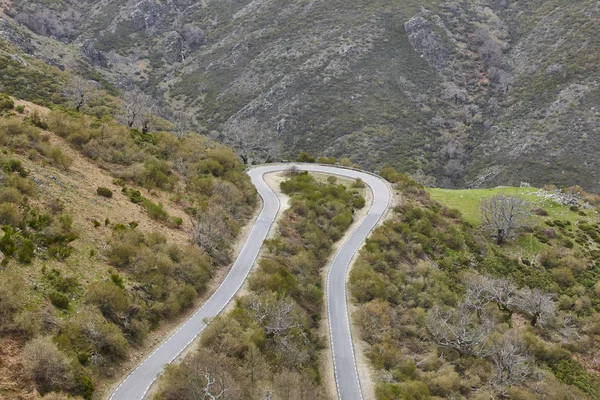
[[456, 93]]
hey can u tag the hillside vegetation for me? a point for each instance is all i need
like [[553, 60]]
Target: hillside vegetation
[[103, 240], [269, 345], [454, 93], [447, 313]]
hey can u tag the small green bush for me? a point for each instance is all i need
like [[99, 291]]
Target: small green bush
[[305, 157], [6, 102], [59, 300], [85, 387], [155, 211], [60, 159], [117, 280], [20, 109], [25, 251], [104, 192]]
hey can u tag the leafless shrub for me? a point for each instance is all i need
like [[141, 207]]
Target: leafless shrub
[[539, 306], [512, 363], [249, 140], [459, 329]]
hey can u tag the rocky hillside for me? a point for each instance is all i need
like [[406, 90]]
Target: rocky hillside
[[455, 93]]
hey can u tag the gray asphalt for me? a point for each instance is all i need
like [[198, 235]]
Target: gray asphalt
[[138, 382]]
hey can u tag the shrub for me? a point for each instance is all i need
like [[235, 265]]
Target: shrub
[[48, 367], [104, 192], [10, 195], [6, 102], [25, 251], [20, 109], [60, 251], [15, 166], [60, 159], [358, 184], [155, 211], [175, 222], [117, 280], [24, 186], [85, 387], [9, 214], [59, 300], [305, 157], [37, 120], [109, 298]]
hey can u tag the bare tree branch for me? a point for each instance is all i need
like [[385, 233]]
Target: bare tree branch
[[503, 215], [249, 140], [457, 329]]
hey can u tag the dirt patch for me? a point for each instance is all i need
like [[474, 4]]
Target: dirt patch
[[13, 385]]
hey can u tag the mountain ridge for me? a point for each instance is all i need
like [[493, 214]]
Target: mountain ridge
[[457, 94]]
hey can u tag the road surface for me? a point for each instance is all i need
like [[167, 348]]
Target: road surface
[[139, 381]]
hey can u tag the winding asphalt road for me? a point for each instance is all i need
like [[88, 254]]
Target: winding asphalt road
[[138, 382]]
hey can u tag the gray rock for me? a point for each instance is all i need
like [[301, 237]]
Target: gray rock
[[11, 35], [94, 56], [426, 41], [174, 47], [147, 15]]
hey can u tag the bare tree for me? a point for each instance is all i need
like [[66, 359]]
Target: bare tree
[[205, 375], [276, 316], [249, 140], [79, 92], [503, 215], [481, 290], [539, 306], [457, 329], [512, 364], [182, 123], [138, 108], [209, 232]]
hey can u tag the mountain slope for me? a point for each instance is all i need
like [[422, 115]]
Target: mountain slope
[[462, 93]]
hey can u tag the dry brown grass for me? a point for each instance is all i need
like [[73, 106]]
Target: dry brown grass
[[76, 189]]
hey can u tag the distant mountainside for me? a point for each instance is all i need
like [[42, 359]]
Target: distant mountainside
[[455, 93]]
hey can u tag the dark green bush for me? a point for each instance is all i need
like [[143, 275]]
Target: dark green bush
[[25, 251], [155, 211], [305, 157], [59, 300], [104, 192], [6, 102], [117, 280], [85, 387]]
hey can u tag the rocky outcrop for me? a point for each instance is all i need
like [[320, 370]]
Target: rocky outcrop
[[425, 40], [174, 47], [147, 15], [11, 35], [94, 56]]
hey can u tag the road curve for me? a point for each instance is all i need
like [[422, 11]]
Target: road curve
[[138, 382]]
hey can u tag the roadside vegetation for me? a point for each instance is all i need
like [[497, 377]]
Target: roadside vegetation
[[446, 312], [89, 269], [268, 345]]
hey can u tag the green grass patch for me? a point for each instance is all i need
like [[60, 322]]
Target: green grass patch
[[468, 201]]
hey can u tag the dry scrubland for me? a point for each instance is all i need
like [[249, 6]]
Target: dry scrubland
[[108, 236]]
